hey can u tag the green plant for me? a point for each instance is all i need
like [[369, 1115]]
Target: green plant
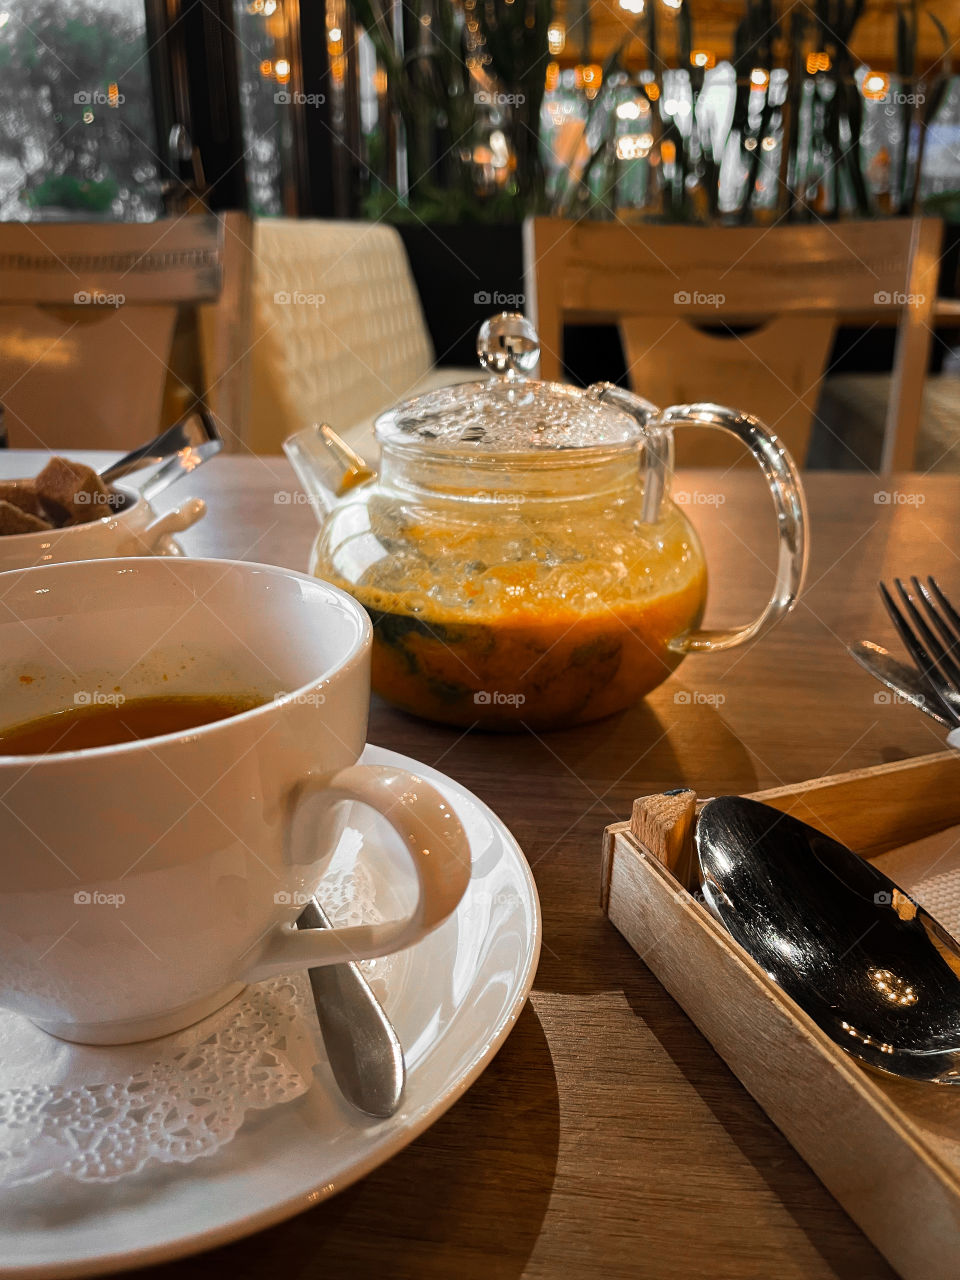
[[575, 194], [753, 47], [439, 84], [65, 191], [515, 36], [818, 113], [430, 88], [920, 102]]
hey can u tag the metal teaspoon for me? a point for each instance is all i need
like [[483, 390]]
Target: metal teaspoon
[[364, 1052]]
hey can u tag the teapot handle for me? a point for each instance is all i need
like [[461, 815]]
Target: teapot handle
[[783, 478]]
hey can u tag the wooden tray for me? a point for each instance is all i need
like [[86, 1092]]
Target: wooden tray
[[888, 1150]]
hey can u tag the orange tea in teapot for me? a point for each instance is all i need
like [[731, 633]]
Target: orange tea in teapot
[[518, 553], [513, 617]]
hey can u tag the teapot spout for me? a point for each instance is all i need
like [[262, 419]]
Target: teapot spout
[[326, 466]]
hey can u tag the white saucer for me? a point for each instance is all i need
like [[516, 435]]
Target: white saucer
[[453, 1000]]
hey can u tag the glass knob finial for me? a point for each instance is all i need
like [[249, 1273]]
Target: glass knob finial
[[508, 344]]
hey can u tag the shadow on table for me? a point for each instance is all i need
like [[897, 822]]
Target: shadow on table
[[822, 1220], [598, 772], [468, 1197], [657, 744]]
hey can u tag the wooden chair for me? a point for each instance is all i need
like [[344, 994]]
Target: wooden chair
[[781, 291], [109, 331]]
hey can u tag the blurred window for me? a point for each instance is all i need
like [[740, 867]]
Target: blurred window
[[77, 133]]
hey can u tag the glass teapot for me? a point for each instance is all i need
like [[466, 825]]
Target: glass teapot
[[518, 553]]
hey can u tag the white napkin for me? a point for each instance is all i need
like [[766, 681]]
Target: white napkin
[[929, 870]]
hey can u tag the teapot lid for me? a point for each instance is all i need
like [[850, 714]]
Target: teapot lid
[[508, 413]]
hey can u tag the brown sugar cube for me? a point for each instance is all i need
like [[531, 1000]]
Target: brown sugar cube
[[16, 520], [22, 494], [71, 493]]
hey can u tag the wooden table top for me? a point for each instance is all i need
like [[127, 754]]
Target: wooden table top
[[607, 1139]]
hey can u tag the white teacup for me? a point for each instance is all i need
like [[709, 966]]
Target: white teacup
[[143, 884], [136, 530]]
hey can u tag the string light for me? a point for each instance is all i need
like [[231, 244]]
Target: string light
[[875, 85], [634, 146], [589, 78], [759, 78]]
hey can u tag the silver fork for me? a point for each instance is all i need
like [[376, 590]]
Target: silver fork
[[935, 649]]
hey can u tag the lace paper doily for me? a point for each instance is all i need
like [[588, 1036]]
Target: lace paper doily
[[100, 1114]]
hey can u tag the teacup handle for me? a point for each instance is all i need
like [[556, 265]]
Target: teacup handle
[[435, 843], [783, 479]]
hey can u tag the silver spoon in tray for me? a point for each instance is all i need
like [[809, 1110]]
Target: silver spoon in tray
[[870, 966]]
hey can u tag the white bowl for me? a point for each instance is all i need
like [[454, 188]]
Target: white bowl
[[137, 530]]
